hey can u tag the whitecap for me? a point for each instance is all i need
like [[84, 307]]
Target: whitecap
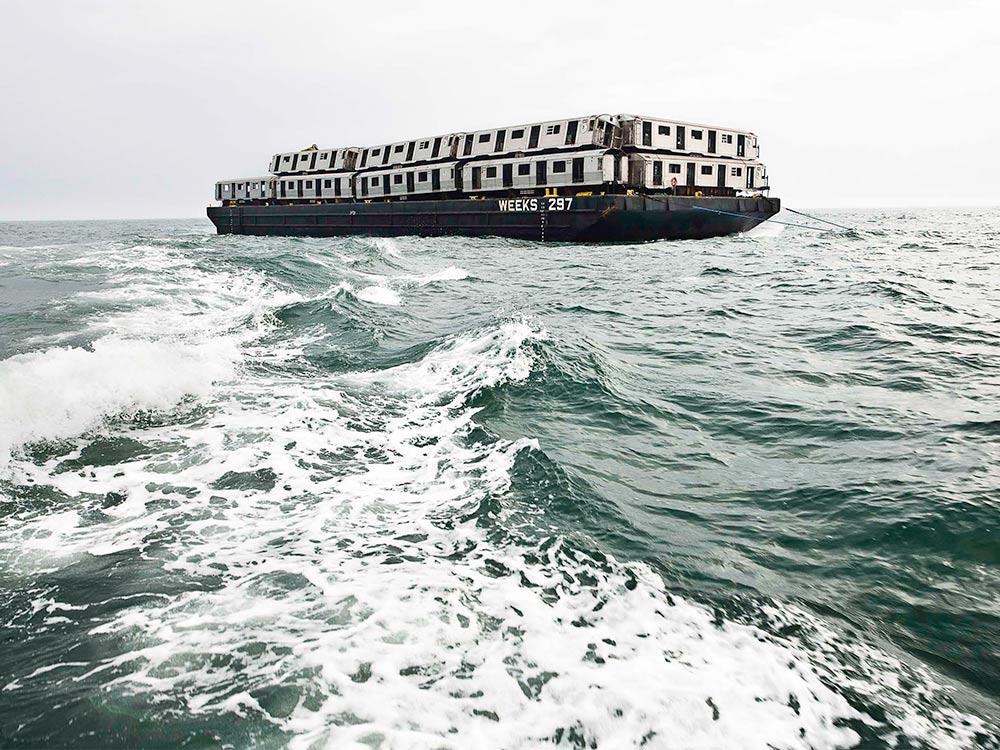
[[379, 295], [452, 273], [386, 246], [65, 391], [174, 330]]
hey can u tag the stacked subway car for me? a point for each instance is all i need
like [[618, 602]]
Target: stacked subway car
[[601, 178]]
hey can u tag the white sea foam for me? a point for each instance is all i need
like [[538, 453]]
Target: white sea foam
[[375, 294], [386, 246], [452, 273], [766, 229], [379, 295], [385, 290], [338, 521], [63, 392], [175, 330]]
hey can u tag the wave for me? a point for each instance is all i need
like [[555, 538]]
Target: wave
[[163, 329], [451, 273], [385, 245], [361, 591], [378, 295], [386, 289], [349, 555], [63, 392]]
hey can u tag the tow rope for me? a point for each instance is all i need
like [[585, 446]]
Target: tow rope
[[773, 221], [816, 218]]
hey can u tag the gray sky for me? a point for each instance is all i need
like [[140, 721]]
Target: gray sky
[[134, 109]]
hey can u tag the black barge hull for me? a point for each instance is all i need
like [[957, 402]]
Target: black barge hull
[[594, 218]]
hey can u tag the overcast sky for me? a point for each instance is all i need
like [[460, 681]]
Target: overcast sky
[[133, 109]]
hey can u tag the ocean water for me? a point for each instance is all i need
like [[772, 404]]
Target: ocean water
[[478, 493]]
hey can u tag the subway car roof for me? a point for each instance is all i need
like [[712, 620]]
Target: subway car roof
[[495, 127], [685, 123]]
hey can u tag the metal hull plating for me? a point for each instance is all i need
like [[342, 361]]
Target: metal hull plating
[[604, 218]]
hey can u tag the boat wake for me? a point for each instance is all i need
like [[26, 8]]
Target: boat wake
[[338, 558]]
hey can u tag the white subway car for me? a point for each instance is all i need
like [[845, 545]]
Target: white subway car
[[578, 169], [576, 133], [408, 181], [245, 189], [326, 186], [650, 172], [434, 148], [595, 130], [687, 138], [314, 160]]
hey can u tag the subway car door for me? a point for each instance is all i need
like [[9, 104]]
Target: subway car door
[[690, 175], [741, 145], [571, 127], [711, 141], [436, 178], [508, 175], [409, 182], [722, 175], [477, 178], [386, 185], [533, 136], [541, 172], [680, 137]]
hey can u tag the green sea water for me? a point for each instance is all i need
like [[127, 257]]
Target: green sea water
[[480, 493]]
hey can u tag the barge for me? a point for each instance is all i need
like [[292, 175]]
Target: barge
[[601, 178]]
